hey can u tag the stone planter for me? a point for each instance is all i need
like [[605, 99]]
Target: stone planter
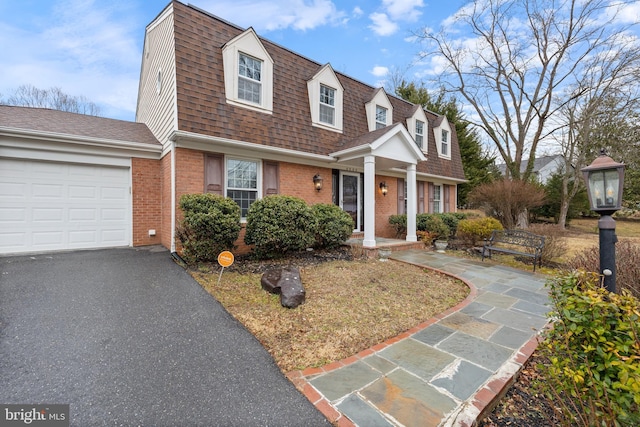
[[441, 245], [384, 254]]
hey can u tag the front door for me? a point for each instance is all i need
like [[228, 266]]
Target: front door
[[350, 196]]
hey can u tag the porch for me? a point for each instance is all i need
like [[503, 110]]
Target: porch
[[355, 242]]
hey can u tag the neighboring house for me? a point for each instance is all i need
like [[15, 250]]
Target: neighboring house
[[543, 167], [237, 115]]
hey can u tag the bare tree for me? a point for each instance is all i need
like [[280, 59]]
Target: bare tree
[[521, 62], [54, 98]]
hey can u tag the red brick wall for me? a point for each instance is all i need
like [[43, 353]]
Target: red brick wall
[[297, 180], [165, 171], [386, 206], [146, 200]]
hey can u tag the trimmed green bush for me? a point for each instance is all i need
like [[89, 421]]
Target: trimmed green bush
[[211, 224], [279, 224], [436, 226], [399, 223], [475, 230], [593, 374], [335, 226]]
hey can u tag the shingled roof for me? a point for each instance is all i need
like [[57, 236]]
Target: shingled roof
[[72, 124], [202, 107]]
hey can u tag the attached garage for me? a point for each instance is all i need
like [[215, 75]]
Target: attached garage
[[54, 205], [67, 181]]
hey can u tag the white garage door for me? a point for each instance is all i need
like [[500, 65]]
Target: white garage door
[[53, 205]]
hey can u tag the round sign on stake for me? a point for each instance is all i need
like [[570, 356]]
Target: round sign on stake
[[225, 258]]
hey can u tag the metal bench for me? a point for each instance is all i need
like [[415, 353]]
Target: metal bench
[[509, 240]]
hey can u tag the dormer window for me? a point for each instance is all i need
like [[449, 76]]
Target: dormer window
[[381, 117], [248, 73], [379, 110], [249, 78], [327, 105], [444, 147], [420, 133], [325, 99]]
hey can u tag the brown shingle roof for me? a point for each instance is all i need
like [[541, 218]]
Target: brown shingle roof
[[202, 107], [61, 122]]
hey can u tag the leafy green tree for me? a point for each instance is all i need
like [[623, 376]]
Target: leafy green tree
[[478, 165]]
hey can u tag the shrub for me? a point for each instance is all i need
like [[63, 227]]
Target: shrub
[[399, 224], [507, 199], [334, 225], [435, 225], [555, 246], [472, 231], [593, 374], [452, 219], [211, 224], [278, 224], [627, 265]]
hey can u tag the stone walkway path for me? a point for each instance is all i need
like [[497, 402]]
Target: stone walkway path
[[447, 370]]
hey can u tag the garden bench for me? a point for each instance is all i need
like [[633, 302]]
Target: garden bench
[[509, 242]]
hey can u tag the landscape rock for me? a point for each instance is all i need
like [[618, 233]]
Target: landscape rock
[[285, 281]]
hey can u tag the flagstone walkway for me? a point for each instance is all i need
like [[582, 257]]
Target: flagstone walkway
[[447, 370]]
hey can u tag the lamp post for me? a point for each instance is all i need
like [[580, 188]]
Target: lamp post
[[604, 179]]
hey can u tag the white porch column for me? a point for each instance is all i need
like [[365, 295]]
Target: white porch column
[[412, 203], [369, 240]]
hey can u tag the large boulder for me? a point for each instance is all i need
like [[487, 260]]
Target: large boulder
[[286, 282]]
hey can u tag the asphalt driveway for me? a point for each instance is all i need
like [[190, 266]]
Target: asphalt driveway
[[127, 337]]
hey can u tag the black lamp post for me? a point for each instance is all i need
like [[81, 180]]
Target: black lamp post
[[604, 179]]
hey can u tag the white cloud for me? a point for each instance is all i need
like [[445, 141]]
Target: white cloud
[[266, 15], [379, 71], [82, 42], [357, 12], [382, 25], [405, 10]]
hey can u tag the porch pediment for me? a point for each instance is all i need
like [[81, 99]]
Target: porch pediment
[[392, 146]]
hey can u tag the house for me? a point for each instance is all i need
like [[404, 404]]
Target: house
[[223, 110], [543, 167]]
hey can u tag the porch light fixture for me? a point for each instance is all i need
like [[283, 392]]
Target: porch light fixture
[[383, 188], [604, 179], [317, 182]]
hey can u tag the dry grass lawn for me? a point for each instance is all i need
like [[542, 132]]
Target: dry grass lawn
[[350, 306]]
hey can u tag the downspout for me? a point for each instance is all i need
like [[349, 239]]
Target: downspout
[[173, 196]]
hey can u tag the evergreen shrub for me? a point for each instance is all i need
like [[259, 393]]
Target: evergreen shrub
[[279, 224], [335, 226], [211, 224]]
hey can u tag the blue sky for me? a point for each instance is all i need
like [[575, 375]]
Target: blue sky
[[93, 48]]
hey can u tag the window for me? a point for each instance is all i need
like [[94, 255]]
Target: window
[[249, 78], [437, 198], [419, 133], [327, 104], [444, 150], [242, 183], [381, 117]]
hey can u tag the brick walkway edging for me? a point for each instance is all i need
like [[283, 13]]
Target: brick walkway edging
[[477, 406]]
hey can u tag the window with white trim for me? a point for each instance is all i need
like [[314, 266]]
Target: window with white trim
[[437, 199], [327, 104], [381, 117], [444, 148], [420, 133], [242, 183], [249, 78], [248, 73]]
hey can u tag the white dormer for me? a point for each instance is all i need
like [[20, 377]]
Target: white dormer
[[379, 111], [442, 134], [248, 73], [418, 126], [325, 99]]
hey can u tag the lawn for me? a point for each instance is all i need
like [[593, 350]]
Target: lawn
[[350, 306]]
